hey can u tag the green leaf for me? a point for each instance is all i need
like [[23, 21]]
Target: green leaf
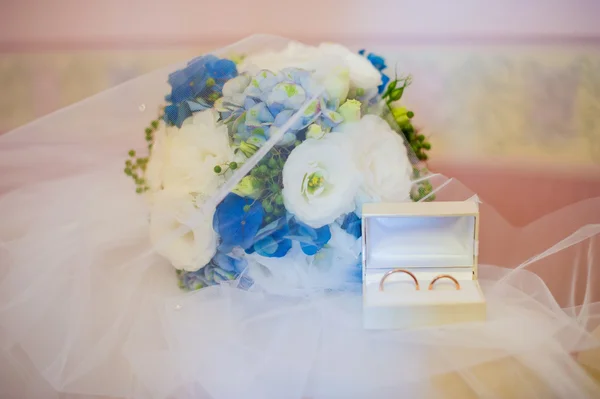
[[396, 94], [391, 86]]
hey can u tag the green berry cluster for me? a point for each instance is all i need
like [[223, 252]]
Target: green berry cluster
[[267, 176], [269, 172], [417, 141], [135, 167], [403, 117], [224, 167], [423, 188]]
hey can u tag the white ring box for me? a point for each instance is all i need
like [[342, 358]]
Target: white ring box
[[428, 239]]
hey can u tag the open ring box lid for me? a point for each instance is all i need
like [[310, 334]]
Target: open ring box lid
[[427, 239]]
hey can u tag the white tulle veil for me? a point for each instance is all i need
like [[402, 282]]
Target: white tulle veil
[[88, 309]]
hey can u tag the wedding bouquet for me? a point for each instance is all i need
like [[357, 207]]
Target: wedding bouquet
[[260, 163]]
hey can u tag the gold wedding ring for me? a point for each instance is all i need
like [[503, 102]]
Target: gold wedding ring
[[386, 275], [456, 284]]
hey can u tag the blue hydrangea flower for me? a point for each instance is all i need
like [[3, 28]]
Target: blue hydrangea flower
[[275, 239], [272, 240], [311, 240], [221, 268], [269, 100], [379, 63], [237, 220], [352, 225], [197, 87]]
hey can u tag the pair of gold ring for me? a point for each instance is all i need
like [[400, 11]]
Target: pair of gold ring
[[386, 275]]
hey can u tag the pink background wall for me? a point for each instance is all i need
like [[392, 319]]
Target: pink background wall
[[128, 22], [55, 52]]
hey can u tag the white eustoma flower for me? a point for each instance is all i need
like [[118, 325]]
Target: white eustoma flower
[[381, 158], [363, 74], [320, 180], [186, 156], [179, 231], [327, 60], [294, 55]]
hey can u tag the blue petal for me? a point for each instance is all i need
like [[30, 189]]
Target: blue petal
[[323, 237], [276, 108], [282, 117], [179, 78], [222, 69], [311, 240], [282, 249], [258, 115], [267, 81], [384, 81], [181, 93], [196, 106], [272, 248], [257, 139], [377, 61], [272, 241], [305, 230], [226, 262], [249, 103], [183, 112], [209, 275], [171, 112], [264, 114], [302, 77], [331, 118], [311, 113], [288, 139], [266, 247], [290, 95], [252, 91], [352, 225], [236, 226], [279, 224]]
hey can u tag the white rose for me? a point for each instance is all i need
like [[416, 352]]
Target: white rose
[[320, 180], [186, 156], [326, 60], [294, 55], [362, 73], [174, 209], [337, 84], [381, 158]]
